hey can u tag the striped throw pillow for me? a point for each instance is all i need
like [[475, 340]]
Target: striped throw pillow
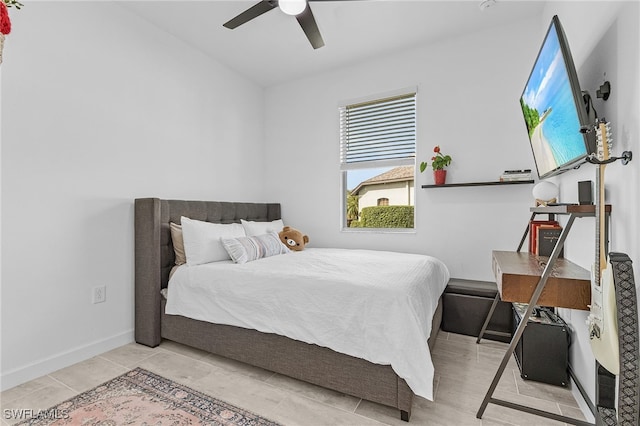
[[247, 249]]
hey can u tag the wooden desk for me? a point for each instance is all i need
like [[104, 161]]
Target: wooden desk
[[517, 275], [538, 280]]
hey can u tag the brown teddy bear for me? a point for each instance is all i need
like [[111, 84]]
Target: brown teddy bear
[[293, 238]]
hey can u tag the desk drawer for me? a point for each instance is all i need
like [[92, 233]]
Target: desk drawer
[[518, 273]]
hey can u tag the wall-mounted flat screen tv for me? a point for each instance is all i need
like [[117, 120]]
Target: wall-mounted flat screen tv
[[553, 107]]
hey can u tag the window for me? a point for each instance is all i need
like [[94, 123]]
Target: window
[[377, 161]]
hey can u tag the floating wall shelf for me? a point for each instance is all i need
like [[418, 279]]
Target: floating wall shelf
[[451, 185]]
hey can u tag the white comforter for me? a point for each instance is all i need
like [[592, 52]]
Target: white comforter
[[373, 305]]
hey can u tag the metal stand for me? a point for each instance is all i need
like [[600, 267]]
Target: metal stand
[[484, 330], [548, 269]]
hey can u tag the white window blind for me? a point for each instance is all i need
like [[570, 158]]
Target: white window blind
[[378, 132]]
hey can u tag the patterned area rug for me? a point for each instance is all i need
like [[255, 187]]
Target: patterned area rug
[[140, 397]]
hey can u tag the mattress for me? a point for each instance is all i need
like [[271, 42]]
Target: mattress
[[374, 305]]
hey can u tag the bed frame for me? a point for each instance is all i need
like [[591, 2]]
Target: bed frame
[[154, 258]]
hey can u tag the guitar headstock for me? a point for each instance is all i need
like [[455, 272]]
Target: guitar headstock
[[603, 139]]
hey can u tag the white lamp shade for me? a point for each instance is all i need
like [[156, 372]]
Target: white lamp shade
[[292, 7], [545, 191]]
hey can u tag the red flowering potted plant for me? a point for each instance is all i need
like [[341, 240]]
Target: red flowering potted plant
[[438, 162], [5, 22]]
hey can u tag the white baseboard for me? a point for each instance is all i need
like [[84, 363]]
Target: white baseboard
[[48, 365], [584, 407]]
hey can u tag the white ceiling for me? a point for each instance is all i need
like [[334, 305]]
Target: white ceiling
[[272, 48]]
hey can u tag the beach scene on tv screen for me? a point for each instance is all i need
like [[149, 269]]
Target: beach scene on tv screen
[[550, 112]]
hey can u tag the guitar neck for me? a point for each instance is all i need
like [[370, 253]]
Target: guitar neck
[[601, 249]]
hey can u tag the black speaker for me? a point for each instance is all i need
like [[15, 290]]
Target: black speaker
[[542, 353], [585, 192]]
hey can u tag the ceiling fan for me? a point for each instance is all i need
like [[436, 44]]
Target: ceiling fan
[[298, 8]]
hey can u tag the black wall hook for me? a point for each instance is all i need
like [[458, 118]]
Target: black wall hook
[[604, 91], [624, 158]]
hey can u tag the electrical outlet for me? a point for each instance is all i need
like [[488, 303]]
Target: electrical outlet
[[99, 294]]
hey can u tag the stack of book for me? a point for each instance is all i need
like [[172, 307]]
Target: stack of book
[[515, 175], [543, 236]]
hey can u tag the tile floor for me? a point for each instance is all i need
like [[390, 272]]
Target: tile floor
[[464, 371]]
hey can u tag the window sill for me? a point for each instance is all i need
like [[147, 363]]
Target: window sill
[[379, 230]]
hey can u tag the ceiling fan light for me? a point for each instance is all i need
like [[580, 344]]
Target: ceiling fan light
[[292, 7]]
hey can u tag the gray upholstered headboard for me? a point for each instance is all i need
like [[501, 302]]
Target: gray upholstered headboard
[[154, 254]]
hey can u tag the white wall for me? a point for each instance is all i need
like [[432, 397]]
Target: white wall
[[98, 108], [468, 103], [605, 40]]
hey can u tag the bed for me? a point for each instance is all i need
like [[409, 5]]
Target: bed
[[154, 259]]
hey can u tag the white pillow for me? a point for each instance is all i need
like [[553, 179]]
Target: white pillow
[[261, 228], [247, 249], [178, 243], [202, 240]]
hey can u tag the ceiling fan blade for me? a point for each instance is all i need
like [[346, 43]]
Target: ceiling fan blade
[[251, 13], [310, 28]]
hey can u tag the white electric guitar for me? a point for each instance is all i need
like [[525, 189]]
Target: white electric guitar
[[603, 321]]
